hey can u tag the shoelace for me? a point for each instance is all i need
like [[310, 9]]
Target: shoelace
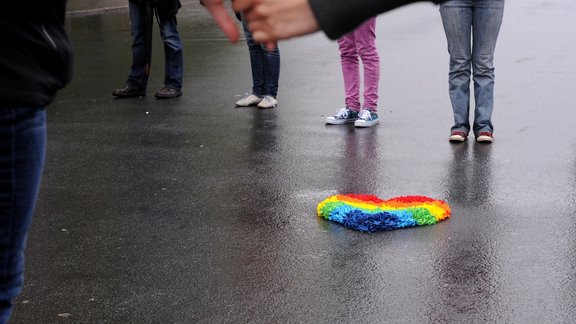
[[342, 114], [365, 114]]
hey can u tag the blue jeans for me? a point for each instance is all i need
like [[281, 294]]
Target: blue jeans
[[481, 20], [265, 66], [173, 61], [22, 147]]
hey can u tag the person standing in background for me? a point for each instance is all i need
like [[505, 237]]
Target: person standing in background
[[359, 44], [472, 28], [265, 67], [142, 13]]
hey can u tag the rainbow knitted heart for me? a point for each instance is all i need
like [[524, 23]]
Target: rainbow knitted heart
[[368, 213]]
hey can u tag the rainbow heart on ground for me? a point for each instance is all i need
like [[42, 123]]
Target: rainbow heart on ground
[[368, 213]]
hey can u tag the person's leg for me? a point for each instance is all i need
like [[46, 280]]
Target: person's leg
[[457, 18], [22, 148], [271, 76], [487, 20], [366, 40], [173, 64], [138, 77], [256, 61], [271, 71], [350, 70]]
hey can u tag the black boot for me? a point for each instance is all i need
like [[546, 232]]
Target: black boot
[[167, 93], [128, 92]]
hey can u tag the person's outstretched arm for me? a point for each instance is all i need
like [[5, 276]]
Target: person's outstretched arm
[[222, 18], [272, 20]]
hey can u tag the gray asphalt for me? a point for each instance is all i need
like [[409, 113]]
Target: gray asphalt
[[194, 211]]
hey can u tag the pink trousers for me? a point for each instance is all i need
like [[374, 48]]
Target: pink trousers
[[360, 44]]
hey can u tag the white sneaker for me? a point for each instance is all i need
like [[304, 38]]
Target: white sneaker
[[268, 102], [250, 100]]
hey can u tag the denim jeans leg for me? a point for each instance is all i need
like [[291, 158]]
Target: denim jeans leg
[[350, 70], [173, 63], [366, 44], [457, 16], [256, 61], [487, 21], [271, 70], [22, 148], [138, 77]]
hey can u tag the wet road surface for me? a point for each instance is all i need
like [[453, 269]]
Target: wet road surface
[[193, 211]]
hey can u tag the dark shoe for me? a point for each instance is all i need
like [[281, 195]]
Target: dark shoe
[[457, 136], [343, 116], [366, 118], [167, 93], [485, 137], [129, 92]]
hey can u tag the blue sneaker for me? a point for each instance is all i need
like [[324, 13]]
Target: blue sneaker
[[344, 116], [367, 118]]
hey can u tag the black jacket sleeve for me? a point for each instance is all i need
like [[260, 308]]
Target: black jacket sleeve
[[36, 54], [338, 17]]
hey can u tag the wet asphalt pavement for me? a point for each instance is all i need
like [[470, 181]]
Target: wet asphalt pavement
[[193, 211]]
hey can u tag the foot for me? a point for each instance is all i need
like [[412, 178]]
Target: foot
[[250, 100], [343, 116], [457, 136], [168, 93], [485, 137], [129, 92], [367, 118], [268, 102]]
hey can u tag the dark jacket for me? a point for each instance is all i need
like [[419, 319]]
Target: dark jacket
[[166, 9], [338, 17], [35, 55]]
